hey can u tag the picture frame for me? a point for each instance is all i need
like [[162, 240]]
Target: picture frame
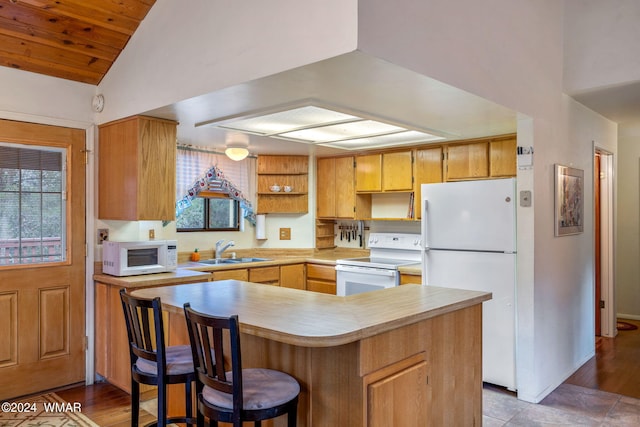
[[569, 200]]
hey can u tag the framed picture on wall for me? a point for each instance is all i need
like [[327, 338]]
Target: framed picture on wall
[[569, 206]]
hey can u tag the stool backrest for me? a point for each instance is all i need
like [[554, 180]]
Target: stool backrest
[[207, 335], [145, 329]]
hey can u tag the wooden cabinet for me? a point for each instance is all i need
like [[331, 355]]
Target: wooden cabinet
[[392, 171], [335, 181], [237, 274], [487, 158], [467, 161], [291, 171], [369, 173], [406, 279], [503, 158], [137, 169], [397, 171], [266, 275], [406, 384], [293, 276], [321, 278], [428, 169]]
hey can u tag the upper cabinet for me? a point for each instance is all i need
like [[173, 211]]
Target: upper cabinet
[[335, 187], [487, 158], [502, 157], [282, 184], [392, 171], [468, 161], [369, 173], [428, 169], [137, 169]]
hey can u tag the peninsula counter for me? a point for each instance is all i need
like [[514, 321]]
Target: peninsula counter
[[404, 356]]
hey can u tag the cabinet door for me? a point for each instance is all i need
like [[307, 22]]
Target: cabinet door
[[397, 171], [399, 399], [428, 169], [369, 173], [292, 276], [406, 279], [467, 161], [502, 157], [345, 187], [137, 158], [239, 274], [326, 188], [266, 275]]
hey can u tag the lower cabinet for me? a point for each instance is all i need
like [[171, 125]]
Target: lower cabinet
[[266, 275], [406, 279], [238, 274], [321, 278], [406, 384], [293, 276]]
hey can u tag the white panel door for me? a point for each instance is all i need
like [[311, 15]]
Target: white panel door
[[472, 215], [490, 272]]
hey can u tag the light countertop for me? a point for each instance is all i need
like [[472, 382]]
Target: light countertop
[[313, 319]]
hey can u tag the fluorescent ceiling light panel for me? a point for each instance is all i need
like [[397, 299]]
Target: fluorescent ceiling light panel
[[342, 131], [316, 125], [285, 121], [406, 137]]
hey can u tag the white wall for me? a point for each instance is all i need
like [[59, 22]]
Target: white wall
[[41, 99], [628, 234], [180, 52], [496, 49], [602, 48]]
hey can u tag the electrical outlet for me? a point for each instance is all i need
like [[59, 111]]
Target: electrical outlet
[[152, 234], [285, 234], [103, 234]]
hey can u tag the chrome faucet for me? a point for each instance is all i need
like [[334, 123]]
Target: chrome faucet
[[220, 248]]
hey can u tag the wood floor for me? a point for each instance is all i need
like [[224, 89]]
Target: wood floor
[[615, 369], [616, 366]]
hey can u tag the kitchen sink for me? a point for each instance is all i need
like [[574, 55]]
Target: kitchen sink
[[224, 261]]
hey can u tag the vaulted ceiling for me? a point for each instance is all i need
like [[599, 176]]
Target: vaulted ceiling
[[71, 39]]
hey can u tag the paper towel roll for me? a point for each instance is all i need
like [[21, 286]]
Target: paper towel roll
[[260, 229]]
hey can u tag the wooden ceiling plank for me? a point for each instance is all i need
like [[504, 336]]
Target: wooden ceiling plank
[[56, 57], [131, 8], [121, 24], [56, 40], [60, 26], [40, 67]]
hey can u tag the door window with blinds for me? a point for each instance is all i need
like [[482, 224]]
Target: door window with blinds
[[32, 196]]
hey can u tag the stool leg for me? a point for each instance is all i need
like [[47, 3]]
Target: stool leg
[[189, 401], [292, 417], [135, 403], [162, 404]]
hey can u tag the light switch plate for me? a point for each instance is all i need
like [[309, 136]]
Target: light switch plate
[[285, 234]]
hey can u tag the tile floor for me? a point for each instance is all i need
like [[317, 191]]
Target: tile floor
[[568, 405]]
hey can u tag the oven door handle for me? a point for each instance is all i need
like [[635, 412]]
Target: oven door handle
[[366, 270]]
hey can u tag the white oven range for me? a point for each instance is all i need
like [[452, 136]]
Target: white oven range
[[379, 270]]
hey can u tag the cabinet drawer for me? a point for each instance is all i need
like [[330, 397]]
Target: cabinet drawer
[[240, 274], [321, 286], [264, 274], [322, 272]]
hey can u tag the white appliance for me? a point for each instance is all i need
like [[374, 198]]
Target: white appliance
[[469, 237], [133, 258], [387, 252]]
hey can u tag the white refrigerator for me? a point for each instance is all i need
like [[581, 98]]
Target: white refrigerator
[[469, 241]]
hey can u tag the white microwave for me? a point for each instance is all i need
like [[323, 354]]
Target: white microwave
[[132, 258]]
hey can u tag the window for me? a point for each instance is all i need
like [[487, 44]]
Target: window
[[210, 214], [32, 197]]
